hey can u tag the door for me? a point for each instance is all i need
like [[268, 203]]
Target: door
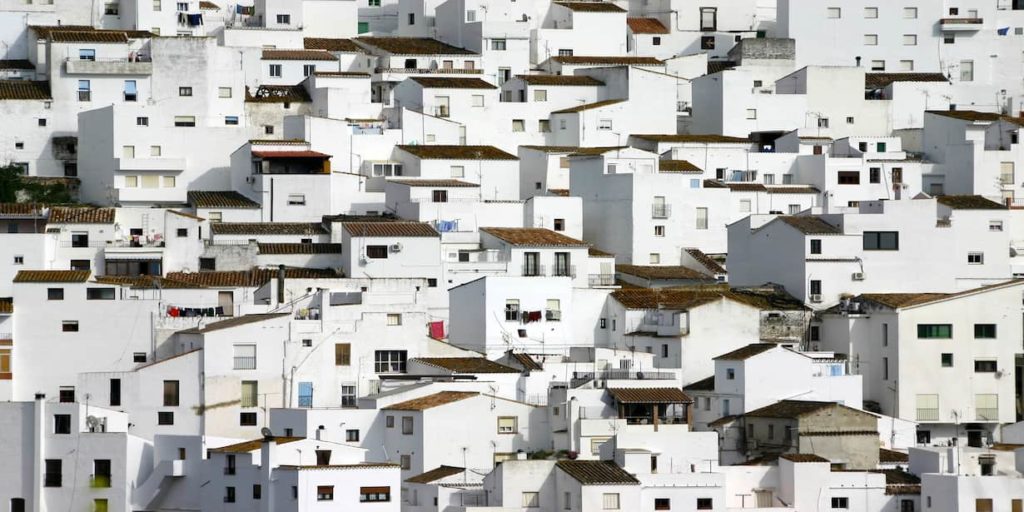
[[306, 394], [531, 264], [974, 438], [226, 301]]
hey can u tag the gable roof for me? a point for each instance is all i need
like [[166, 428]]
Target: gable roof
[[883, 80], [253, 278], [680, 166], [588, 106], [88, 36], [649, 396], [413, 46], [234, 322], [790, 409], [255, 444], [906, 300], [267, 228], [969, 203], [744, 353], [803, 458], [646, 26], [52, 276], [431, 183], [331, 44], [710, 264], [533, 237], [975, 116], [435, 474], [451, 152], [662, 272], [465, 364], [389, 229], [685, 298], [297, 55], [220, 199], [430, 401], [683, 138], [603, 60], [298, 248], [810, 225], [596, 472], [81, 215], [451, 82], [560, 80], [25, 90], [592, 6], [705, 384]]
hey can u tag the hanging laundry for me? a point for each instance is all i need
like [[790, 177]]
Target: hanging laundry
[[447, 226], [1003, 31], [194, 20], [437, 330], [247, 10]]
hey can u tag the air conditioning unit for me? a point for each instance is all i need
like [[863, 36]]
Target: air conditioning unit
[[396, 247], [816, 297], [858, 276]]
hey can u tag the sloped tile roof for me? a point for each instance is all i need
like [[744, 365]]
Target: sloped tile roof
[[88, 36], [315, 248], [650, 396], [248, 278], [588, 106], [976, 117], [705, 384], [24, 90], [791, 189], [430, 401], [646, 26], [560, 80], [664, 298], [6, 305], [892, 456], [904, 300], [390, 229], [790, 409], [249, 446], [449, 183], [297, 55], [445, 152], [234, 322], [883, 80], [680, 166], [451, 82], [802, 458], [208, 6], [220, 199], [591, 6], [690, 138], [267, 228], [466, 364], [662, 272], [744, 353], [745, 187], [52, 276], [526, 361], [596, 472], [21, 210], [810, 225], [331, 44], [969, 203], [533, 237], [413, 46], [16, 64], [602, 60], [710, 264], [278, 94], [81, 215], [435, 474]]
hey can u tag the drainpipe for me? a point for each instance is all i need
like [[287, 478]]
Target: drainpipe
[[268, 455], [280, 285], [39, 449]]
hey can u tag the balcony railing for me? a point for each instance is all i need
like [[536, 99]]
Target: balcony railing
[[306, 401], [579, 378], [564, 271], [125, 66], [534, 271], [99, 481], [454, 71], [927, 415], [988, 414], [601, 279], [245, 363], [661, 211]]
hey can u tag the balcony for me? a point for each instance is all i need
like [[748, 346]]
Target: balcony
[[108, 67], [601, 279], [245, 363], [306, 401], [661, 211], [961, 24], [564, 271], [426, 71], [580, 378], [534, 271]]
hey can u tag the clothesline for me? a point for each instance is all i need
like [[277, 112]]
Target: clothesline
[[177, 311]]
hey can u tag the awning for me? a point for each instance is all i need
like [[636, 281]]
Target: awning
[[272, 155], [650, 396]]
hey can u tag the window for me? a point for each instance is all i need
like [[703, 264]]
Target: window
[[705, 504], [412, 18], [296, 199], [815, 287], [927, 407], [394, 319], [947, 360], [878, 65], [407, 425], [275, 70], [389, 361], [458, 171], [512, 310], [985, 366], [268, 129], [138, 357], [498, 44], [656, 41], [374, 494], [833, 13], [702, 218], [405, 462], [507, 425], [655, 258], [661, 504], [184, 121], [342, 354], [377, 252], [967, 71], [986, 407], [257, 492], [69, 326], [604, 124], [142, 121], [730, 373], [17, 504], [751, 113], [910, 13], [559, 224], [518, 125], [840, 502], [250, 393], [975, 258], [184, 91], [870, 39], [949, 38], [247, 419], [19, 260], [231, 120], [659, 231], [84, 90], [245, 357], [171, 388], [708, 19], [565, 53], [815, 246], [540, 95], [881, 241], [984, 331], [874, 175], [610, 501], [885, 368], [61, 423], [745, 205], [909, 40], [934, 331], [165, 418], [324, 492], [284, 19], [871, 13], [99, 294], [308, 69]]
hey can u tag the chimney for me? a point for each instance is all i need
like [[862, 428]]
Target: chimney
[[280, 284], [268, 458], [39, 449]]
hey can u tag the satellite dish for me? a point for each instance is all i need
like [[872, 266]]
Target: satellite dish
[[92, 422], [266, 432]]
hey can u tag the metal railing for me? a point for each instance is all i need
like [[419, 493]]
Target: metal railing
[[454, 71], [661, 211], [564, 271], [306, 401], [245, 363], [987, 414], [928, 414], [601, 279], [534, 271]]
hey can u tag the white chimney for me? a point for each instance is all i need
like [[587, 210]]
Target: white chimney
[[39, 449], [268, 460]]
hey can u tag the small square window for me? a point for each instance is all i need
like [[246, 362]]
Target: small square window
[[947, 360], [184, 91], [268, 129], [910, 13], [394, 319], [656, 41], [182, 232], [833, 13], [871, 13], [871, 39], [307, 342], [69, 326], [165, 418], [142, 121], [231, 120], [19, 260], [42, 122], [139, 357], [975, 258], [247, 419], [659, 231]]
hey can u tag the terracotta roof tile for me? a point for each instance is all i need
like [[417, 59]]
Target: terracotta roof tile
[[331, 44], [705, 384], [220, 199], [6, 305], [596, 472], [593, 6], [435, 474], [315, 248], [267, 228], [588, 106], [560, 80], [234, 322], [715, 66], [21, 210], [790, 409], [904, 300], [442, 152], [892, 456], [208, 6], [646, 26], [883, 80], [744, 353], [52, 276], [430, 401], [969, 203], [451, 82], [594, 251], [533, 237], [710, 264], [16, 64], [526, 361], [649, 396], [297, 55], [278, 94], [601, 60], [249, 446], [88, 36], [266, 155], [692, 139], [450, 183], [665, 298], [745, 187], [390, 229], [801, 458], [24, 90], [413, 46], [791, 189], [81, 215], [248, 278], [810, 225], [466, 364], [145, 282], [343, 74], [976, 117], [662, 272], [680, 166]]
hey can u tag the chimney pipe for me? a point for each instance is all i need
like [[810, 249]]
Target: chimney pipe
[[280, 284], [39, 449], [268, 453]]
